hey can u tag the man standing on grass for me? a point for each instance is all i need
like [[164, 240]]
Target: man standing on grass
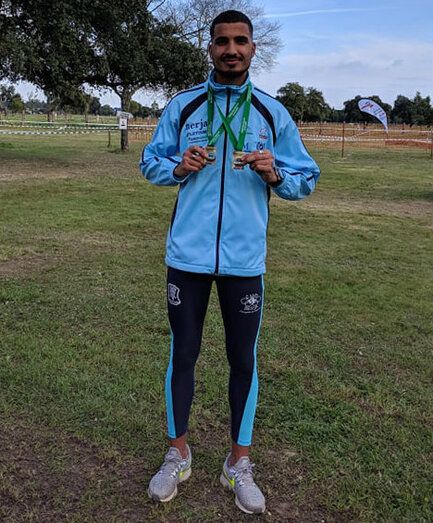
[[237, 145]]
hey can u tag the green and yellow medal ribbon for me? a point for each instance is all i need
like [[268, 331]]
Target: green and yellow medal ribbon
[[244, 99]]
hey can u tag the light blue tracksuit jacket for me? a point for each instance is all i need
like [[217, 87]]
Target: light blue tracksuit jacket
[[220, 218]]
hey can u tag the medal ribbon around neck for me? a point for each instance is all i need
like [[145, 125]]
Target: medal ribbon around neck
[[245, 99]]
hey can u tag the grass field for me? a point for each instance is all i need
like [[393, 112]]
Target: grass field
[[344, 422]]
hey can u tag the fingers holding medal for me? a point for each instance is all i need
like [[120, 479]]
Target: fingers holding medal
[[194, 158], [262, 162]]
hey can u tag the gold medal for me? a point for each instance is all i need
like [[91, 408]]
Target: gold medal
[[211, 152], [237, 160]]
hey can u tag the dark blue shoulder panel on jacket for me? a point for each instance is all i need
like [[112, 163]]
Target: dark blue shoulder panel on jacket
[[188, 91], [190, 108], [264, 111], [198, 88]]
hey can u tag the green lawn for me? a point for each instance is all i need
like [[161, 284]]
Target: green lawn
[[344, 423]]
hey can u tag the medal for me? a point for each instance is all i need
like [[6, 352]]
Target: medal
[[211, 152], [237, 162], [238, 143]]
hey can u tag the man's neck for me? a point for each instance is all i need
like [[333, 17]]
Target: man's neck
[[222, 79]]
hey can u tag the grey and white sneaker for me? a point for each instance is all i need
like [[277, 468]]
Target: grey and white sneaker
[[174, 470], [239, 479]]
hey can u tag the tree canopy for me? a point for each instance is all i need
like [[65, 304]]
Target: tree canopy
[[102, 43], [306, 105]]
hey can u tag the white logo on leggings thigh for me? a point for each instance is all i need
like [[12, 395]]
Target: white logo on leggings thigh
[[173, 294], [251, 303]]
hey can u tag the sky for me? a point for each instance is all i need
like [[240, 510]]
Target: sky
[[343, 48]]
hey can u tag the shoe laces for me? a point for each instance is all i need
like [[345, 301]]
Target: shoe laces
[[244, 474], [172, 464]]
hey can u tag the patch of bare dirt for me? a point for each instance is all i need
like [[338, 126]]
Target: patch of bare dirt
[[71, 244], [404, 209], [25, 170], [419, 144], [50, 476], [27, 264]]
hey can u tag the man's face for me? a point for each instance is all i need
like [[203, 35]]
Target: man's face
[[232, 49]]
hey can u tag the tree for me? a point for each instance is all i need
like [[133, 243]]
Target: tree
[[193, 19], [353, 114], [16, 104], [293, 97], [95, 105], [34, 105], [403, 110], [335, 115], [102, 43], [155, 111], [7, 39], [7, 92], [107, 110], [422, 111], [10, 100], [417, 111], [317, 109], [136, 109]]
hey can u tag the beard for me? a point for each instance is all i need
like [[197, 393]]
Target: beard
[[231, 74]]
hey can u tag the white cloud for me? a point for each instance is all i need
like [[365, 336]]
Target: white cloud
[[365, 65], [290, 14]]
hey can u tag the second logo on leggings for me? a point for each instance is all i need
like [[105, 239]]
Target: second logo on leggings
[[251, 303]]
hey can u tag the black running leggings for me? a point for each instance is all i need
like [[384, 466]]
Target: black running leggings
[[241, 302]]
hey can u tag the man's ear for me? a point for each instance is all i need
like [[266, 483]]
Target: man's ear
[[209, 49], [254, 48]]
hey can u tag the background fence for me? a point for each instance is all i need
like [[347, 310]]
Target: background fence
[[361, 135], [334, 135]]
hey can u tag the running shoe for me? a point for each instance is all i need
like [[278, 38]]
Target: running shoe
[[239, 479], [174, 470]]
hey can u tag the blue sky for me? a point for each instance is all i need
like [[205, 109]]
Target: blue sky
[[347, 47]]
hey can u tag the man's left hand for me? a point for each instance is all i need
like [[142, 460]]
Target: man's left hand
[[263, 163]]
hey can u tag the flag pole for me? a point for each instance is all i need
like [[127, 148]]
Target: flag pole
[[342, 141]]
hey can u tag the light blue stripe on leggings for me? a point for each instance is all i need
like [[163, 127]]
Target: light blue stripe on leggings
[[246, 428], [168, 394]]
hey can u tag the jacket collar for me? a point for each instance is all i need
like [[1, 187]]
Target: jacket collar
[[224, 87]]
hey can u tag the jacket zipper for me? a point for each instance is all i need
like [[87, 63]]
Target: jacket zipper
[[223, 172]]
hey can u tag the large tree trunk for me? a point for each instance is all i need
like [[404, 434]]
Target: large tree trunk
[[126, 105]]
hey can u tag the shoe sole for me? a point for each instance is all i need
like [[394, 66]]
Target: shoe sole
[[224, 482], [174, 493]]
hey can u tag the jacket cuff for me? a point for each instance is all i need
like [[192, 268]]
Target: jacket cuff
[[179, 179], [280, 181]]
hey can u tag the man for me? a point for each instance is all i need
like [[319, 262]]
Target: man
[[236, 144]]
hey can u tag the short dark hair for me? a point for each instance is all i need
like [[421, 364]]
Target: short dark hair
[[230, 17]]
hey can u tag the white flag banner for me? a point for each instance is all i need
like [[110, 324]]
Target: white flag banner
[[370, 107]]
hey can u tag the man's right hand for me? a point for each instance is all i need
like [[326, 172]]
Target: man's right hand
[[193, 161]]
